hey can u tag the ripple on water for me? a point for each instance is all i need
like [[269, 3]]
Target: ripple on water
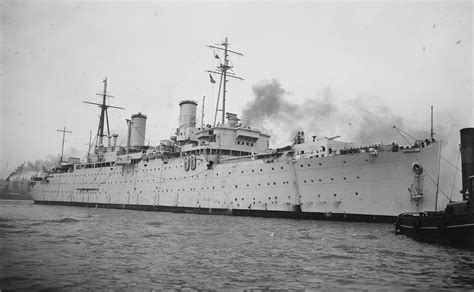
[[154, 224], [65, 220]]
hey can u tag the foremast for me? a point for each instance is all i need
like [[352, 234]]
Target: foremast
[[224, 70], [104, 117]]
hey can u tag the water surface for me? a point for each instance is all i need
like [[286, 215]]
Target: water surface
[[48, 247]]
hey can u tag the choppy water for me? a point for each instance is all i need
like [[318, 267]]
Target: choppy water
[[85, 248]]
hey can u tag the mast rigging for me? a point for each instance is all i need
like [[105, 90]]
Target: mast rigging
[[104, 116], [223, 70], [62, 147]]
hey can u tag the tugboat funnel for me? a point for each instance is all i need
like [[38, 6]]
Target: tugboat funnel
[[467, 161]]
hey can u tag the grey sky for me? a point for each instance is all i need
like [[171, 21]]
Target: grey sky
[[54, 55]]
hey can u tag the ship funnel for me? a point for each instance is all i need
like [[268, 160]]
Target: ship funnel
[[114, 140], [467, 161], [109, 141], [138, 128], [187, 119]]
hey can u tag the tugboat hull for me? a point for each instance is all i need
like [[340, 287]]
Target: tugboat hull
[[438, 227]]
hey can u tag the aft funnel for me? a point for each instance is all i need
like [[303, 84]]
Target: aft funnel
[[187, 119], [467, 161], [137, 135]]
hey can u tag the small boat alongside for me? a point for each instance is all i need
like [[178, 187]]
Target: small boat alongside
[[454, 225]]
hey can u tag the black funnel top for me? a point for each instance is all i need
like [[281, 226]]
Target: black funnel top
[[467, 161]]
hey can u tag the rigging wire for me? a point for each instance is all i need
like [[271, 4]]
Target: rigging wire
[[451, 163], [400, 130], [429, 176]]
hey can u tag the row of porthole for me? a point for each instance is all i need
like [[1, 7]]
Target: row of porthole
[[217, 174], [236, 186], [335, 195], [269, 198], [320, 164], [332, 179]]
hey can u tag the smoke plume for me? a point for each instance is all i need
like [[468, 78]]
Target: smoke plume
[[361, 119], [29, 168]]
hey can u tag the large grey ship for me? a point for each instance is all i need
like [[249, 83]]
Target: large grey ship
[[228, 168]]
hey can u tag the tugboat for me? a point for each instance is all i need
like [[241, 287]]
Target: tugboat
[[454, 225]]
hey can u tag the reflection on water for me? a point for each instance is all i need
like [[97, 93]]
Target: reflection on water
[[71, 247]]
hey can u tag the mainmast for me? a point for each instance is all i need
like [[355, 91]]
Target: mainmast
[[103, 113], [202, 112], [431, 132], [62, 146], [224, 70]]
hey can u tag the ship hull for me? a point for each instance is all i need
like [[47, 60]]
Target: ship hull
[[235, 212], [352, 187]]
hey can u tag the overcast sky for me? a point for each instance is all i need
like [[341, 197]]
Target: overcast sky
[[406, 56]]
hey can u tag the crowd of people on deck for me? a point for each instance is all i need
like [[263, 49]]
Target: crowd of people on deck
[[379, 147]]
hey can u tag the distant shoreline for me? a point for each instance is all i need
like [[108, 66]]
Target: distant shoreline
[[14, 196]]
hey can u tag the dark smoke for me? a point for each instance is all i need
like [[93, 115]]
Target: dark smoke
[[30, 167], [360, 119], [271, 110]]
